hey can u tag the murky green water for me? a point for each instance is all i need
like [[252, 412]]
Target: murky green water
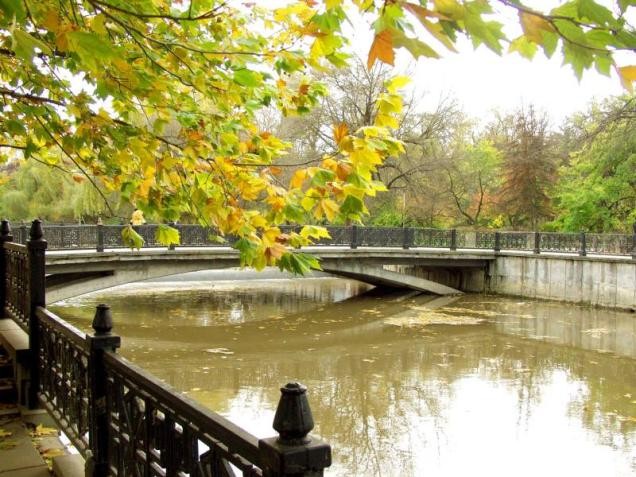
[[511, 387]]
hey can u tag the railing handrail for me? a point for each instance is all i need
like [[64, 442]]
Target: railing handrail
[[16, 247], [101, 237], [74, 335]]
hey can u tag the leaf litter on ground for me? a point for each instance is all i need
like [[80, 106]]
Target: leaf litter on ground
[[43, 431]]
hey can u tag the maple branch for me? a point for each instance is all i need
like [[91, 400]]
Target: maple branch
[[56, 53], [13, 146], [66, 171], [29, 97], [203, 16], [169, 45], [552, 19]]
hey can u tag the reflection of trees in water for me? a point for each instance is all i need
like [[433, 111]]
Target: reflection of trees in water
[[378, 415], [212, 304], [380, 395]]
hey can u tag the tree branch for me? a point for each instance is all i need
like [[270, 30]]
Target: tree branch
[[29, 97], [204, 16]]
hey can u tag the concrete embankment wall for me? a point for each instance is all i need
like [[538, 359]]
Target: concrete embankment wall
[[595, 281]]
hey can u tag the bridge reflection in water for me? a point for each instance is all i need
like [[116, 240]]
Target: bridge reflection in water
[[532, 379]]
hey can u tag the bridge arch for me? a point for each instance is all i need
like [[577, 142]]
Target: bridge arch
[[72, 274]]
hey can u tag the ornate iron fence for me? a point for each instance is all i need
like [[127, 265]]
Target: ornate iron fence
[[16, 283], [432, 238], [611, 244], [64, 374], [123, 420], [380, 237], [101, 237], [152, 429]]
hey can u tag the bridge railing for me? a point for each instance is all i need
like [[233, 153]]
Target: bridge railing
[[101, 237], [123, 420]]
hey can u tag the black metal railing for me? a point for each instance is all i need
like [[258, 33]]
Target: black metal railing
[[123, 420], [102, 237], [16, 283]]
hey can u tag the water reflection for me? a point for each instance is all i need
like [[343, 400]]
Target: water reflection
[[534, 388]]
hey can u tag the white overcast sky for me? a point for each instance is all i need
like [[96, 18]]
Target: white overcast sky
[[483, 82]]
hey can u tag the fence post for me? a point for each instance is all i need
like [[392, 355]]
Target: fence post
[[537, 243], [354, 236], [101, 341], [497, 247], [294, 453], [100, 235], [583, 249], [36, 247], [5, 236], [407, 238], [634, 241], [453, 240], [172, 246]]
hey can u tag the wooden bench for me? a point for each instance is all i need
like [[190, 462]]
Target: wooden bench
[[16, 344]]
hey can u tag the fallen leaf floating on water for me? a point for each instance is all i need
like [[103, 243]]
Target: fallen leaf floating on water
[[595, 331], [4, 433], [626, 418], [432, 318], [219, 350], [452, 309]]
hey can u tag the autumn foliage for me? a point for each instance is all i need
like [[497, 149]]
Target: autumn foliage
[[158, 99]]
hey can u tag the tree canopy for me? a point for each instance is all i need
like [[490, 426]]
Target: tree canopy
[[157, 99]]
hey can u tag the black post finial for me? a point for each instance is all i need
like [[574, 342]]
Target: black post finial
[[5, 230], [36, 233], [293, 419], [103, 320], [293, 453]]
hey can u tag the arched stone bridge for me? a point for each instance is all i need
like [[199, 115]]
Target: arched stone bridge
[[594, 269], [77, 272]]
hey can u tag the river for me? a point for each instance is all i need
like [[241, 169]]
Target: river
[[400, 385]]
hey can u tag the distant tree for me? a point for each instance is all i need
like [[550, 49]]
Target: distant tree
[[473, 180], [50, 193], [529, 161], [414, 177], [597, 191]]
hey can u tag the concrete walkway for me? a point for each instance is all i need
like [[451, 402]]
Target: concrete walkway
[[30, 446], [22, 451]]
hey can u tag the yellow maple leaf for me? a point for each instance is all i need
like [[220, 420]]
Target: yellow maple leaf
[[298, 178], [137, 217], [329, 163], [42, 431], [381, 49], [627, 75], [534, 26], [396, 83], [340, 131], [365, 156], [270, 235]]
